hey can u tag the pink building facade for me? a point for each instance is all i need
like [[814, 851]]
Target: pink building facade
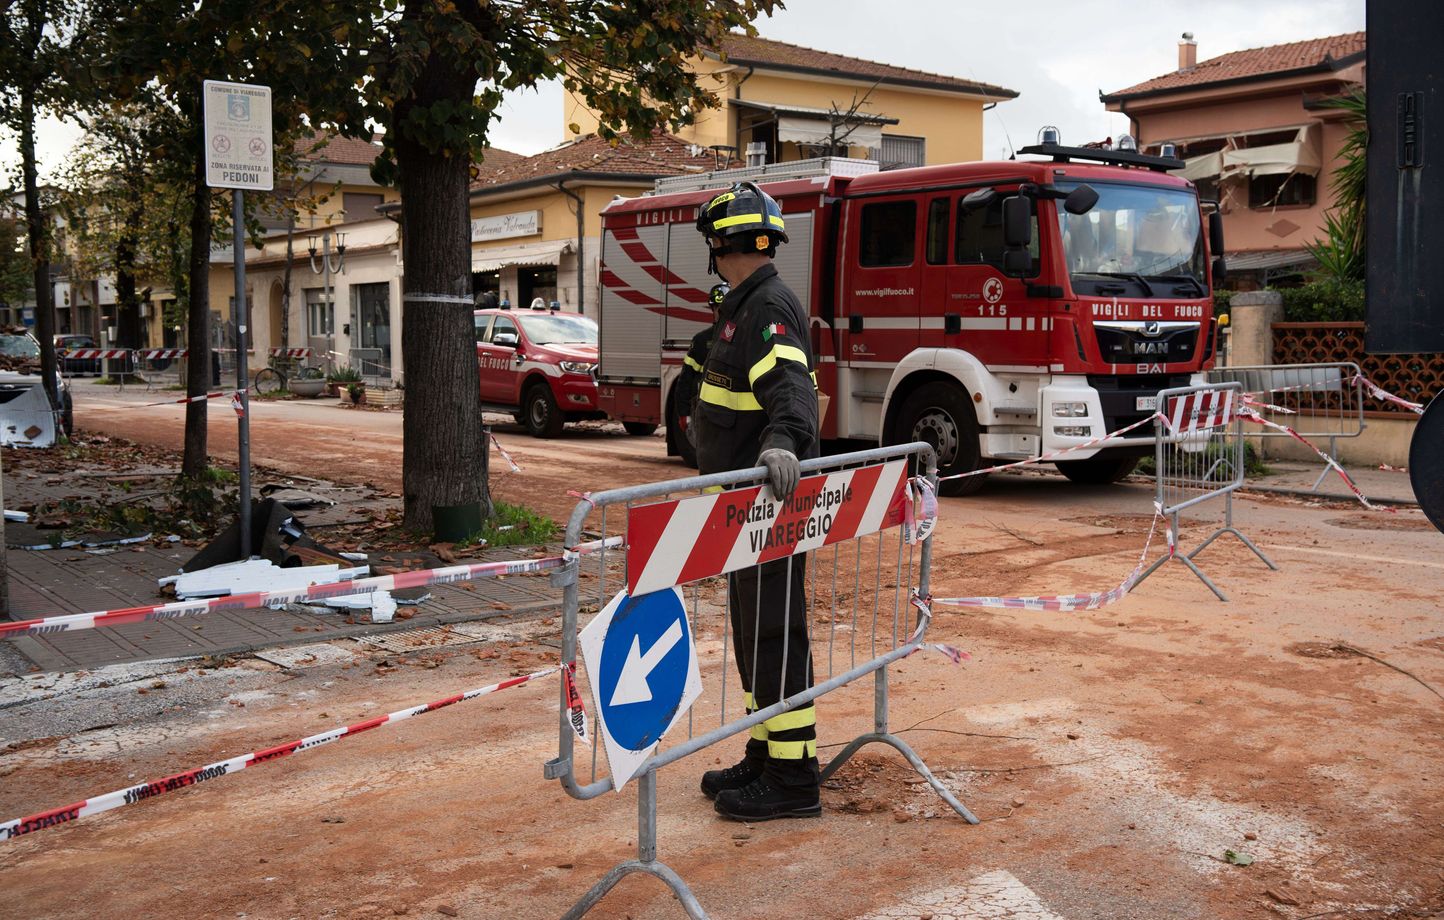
[[1251, 127]]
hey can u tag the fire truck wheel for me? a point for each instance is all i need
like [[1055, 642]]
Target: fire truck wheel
[[1097, 471], [543, 418], [639, 429], [940, 414], [677, 435]]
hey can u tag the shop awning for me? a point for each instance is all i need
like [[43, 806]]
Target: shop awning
[[492, 258], [1299, 156], [807, 125], [1202, 167]]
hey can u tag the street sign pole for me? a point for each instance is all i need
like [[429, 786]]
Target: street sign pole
[[239, 157], [238, 220]]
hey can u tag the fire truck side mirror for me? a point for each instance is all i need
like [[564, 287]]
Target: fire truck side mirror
[[1017, 263], [1017, 222], [1215, 234], [980, 198], [1081, 200]]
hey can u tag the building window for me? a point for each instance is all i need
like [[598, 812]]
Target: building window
[[900, 152], [1274, 191], [320, 315], [360, 205], [888, 234]]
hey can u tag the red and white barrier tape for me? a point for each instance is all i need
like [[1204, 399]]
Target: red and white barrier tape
[[168, 402], [414, 579], [139, 793], [920, 510], [1251, 415], [1379, 392], [504, 455], [576, 710], [154, 354], [92, 353], [1069, 602], [1045, 458], [238, 403], [289, 352]]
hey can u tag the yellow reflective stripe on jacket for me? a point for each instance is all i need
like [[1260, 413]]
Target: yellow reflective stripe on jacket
[[692, 364], [769, 361], [747, 701], [791, 750], [759, 732], [797, 718], [737, 402]]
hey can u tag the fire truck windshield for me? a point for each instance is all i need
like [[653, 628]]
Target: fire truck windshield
[[557, 329], [1133, 235]]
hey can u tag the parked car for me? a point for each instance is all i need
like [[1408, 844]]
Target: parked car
[[20, 376], [538, 365], [77, 366]]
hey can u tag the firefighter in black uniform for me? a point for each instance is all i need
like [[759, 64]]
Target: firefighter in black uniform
[[690, 380], [757, 406]]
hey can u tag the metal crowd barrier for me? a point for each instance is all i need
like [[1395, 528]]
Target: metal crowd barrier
[[161, 368], [863, 610], [1319, 401], [1199, 456]]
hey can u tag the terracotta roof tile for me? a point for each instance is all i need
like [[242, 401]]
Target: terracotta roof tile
[[1259, 63], [326, 147], [661, 154], [749, 49]]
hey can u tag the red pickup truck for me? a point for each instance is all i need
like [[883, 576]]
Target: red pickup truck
[[539, 366]]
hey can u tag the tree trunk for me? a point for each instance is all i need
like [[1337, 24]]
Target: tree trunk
[[127, 302], [38, 231], [198, 324], [443, 451]]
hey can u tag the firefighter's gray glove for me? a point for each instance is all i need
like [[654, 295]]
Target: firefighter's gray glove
[[783, 471], [690, 431]]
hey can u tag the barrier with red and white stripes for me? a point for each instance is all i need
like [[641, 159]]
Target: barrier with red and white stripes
[[290, 352], [92, 353], [414, 579], [156, 354], [675, 542], [132, 795], [1200, 412]]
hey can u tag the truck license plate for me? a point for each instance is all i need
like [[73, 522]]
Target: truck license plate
[[1146, 404]]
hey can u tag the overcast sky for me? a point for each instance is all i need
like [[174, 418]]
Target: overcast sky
[[1056, 53]]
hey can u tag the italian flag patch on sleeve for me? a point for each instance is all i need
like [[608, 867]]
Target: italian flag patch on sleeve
[[775, 329]]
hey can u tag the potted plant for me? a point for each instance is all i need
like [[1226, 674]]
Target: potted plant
[[357, 391], [342, 376], [308, 383]]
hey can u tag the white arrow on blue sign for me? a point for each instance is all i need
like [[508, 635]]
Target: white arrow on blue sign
[[643, 665]]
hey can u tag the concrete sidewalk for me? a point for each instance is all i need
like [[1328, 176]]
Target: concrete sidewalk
[[1291, 477]]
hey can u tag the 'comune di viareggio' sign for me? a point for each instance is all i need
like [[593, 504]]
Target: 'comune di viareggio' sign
[[237, 136], [672, 543]]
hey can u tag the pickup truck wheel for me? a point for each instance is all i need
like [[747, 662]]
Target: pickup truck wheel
[[677, 433], [940, 414], [639, 429], [543, 418], [1097, 471]]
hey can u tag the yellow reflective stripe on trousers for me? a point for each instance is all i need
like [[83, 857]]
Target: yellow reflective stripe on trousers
[[797, 718], [791, 750], [692, 364], [737, 402], [759, 731], [769, 361]]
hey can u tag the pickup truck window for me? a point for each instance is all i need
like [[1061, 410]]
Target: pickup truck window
[[554, 329], [888, 234]]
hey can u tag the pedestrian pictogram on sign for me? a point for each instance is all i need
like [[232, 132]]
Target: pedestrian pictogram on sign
[[644, 673]]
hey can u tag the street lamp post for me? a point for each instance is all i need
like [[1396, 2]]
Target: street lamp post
[[325, 269]]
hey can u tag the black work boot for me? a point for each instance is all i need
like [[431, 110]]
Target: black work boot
[[761, 800], [732, 778]]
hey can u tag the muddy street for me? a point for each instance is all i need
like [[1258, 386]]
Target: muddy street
[[1170, 756]]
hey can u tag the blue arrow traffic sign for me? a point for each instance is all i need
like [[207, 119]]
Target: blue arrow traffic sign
[[644, 674], [643, 669]]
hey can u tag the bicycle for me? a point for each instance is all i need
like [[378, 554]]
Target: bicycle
[[284, 365]]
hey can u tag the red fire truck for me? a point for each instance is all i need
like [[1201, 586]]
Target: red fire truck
[[998, 310]]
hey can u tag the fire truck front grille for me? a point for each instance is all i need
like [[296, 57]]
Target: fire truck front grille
[[1147, 343], [1120, 397]]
